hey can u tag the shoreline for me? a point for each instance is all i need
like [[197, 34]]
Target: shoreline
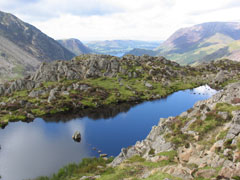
[[86, 109]]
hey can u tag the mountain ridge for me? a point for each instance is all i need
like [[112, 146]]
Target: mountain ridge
[[190, 35], [20, 33], [120, 47], [75, 46], [201, 43], [31, 45]]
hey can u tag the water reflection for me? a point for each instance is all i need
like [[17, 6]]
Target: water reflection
[[38, 149], [94, 114], [43, 146], [205, 90]]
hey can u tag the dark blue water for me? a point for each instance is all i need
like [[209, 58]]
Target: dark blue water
[[43, 146]]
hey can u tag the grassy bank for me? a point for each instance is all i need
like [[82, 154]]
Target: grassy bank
[[101, 92], [103, 80], [98, 168]]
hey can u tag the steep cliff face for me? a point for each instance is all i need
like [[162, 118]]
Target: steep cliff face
[[187, 38], [15, 62], [31, 40], [23, 47], [200, 43], [75, 46], [205, 140]]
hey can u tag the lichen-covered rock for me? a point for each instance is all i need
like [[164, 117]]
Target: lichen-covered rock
[[178, 171], [215, 120], [52, 96], [36, 93], [230, 171], [93, 66], [148, 85], [235, 126], [206, 173], [220, 77], [155, 140]]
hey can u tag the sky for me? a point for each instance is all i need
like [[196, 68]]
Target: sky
[[88, 20]]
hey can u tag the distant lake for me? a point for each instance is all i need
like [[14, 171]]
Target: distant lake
[[42, 147], [117, 54]]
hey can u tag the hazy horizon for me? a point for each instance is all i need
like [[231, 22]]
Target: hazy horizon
[[98, 20]]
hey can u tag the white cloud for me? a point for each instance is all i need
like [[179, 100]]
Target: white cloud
[[47, 9], [120, 19]]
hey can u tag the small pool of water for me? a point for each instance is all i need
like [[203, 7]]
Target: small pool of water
[[42, 147]]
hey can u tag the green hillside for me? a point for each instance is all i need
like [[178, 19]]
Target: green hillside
[[200, 43], [217, 46]]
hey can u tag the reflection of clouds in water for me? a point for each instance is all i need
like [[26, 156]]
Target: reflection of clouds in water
[[123, 115], [76, 125], [205, 90], [28, 152], [40, 148]]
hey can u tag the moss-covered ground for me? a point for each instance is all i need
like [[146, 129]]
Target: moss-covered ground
[[102, 91]]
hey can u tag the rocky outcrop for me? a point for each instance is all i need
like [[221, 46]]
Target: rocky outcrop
[[91, 81], [155, 140], [220, 77], [158, 69], [36, 93], [208, 135], [203, 142], [93, 66], [17, 85]]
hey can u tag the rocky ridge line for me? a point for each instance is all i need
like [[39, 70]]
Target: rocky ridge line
[[91, 81], [206, 141]]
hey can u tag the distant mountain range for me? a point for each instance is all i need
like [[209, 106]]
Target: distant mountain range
[[200, 43], [140, 52], [75, 46], [23, 47], [120, 47], [110, 47]]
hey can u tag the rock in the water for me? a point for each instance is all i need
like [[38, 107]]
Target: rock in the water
[[103, 155], [77, 136]]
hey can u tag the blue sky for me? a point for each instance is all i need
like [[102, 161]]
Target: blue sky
[[119, 19]]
